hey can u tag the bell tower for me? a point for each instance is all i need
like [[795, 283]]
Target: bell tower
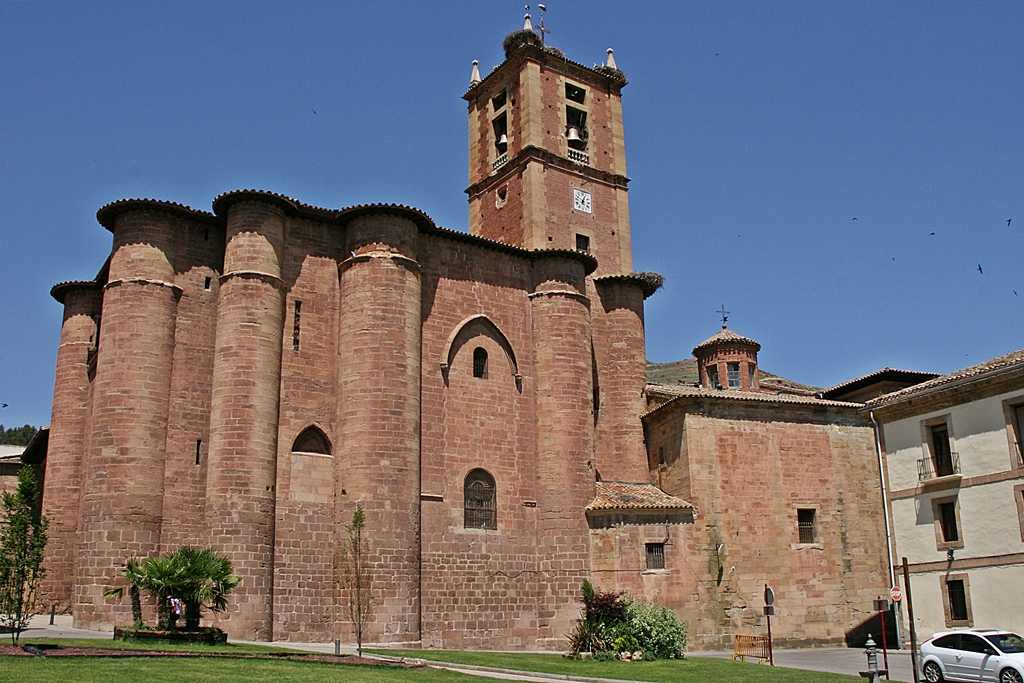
[[547, 160]]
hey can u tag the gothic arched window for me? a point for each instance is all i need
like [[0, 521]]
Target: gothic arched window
[[311, 440], [480, 362], [481, 503]]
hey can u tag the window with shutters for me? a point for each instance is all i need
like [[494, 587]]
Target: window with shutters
[[946, 513]]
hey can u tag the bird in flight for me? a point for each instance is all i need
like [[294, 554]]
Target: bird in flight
[[980, 270], [931, 233], [1008, 222], [314, 112], [3, 406], [854, 218], [1015, 292]]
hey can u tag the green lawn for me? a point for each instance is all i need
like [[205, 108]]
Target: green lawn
[[122, 645], [139, 670], [695, 669]]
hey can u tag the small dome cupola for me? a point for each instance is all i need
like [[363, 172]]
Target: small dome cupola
[[728, 361]]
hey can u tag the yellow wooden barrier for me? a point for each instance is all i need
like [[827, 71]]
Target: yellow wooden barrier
[[750, 646]]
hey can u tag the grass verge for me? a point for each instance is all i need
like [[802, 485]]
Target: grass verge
[[104, 670], [158, 647], [695, 669]]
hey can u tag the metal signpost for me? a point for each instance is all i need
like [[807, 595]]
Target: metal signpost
[[910, 618], [769, 610], [883, 606]]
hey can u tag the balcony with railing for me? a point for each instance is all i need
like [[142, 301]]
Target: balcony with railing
[[932, 469], [499, 162], [579, 157]]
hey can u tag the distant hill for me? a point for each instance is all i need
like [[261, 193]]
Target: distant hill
[[17, 436]]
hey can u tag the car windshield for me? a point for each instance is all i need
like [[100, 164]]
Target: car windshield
[[1007, 642]]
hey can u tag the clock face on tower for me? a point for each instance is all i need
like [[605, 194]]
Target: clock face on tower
[[581, 201]]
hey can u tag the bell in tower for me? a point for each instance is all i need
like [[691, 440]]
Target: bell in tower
[[547, 162]]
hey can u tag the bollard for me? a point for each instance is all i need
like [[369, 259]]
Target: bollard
[[337, 646], [873, 671], [53, 610]]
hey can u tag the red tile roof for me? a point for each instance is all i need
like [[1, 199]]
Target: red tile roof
[[1010, 361], [617, 495]]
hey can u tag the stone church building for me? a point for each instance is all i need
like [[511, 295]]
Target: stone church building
[[244, 378]]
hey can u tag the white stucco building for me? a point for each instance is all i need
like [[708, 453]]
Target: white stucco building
[[955, 483]]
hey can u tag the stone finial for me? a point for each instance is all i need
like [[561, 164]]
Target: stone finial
[[474, 77], [611, 59], [527, 25]]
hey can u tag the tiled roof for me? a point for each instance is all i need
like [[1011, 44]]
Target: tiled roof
[[649, 282], [879, 375], [1010, 361], [726, 336], [680, 392], [617, 495]]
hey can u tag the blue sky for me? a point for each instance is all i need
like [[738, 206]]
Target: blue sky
[[755, 134]]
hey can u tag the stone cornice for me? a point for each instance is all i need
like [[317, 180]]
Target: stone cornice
[[537, 54], [535, 153]]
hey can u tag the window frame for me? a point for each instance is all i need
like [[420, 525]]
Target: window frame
[[940, 537], [655, 550], [928, 428], [713, 382], [480, 362], [738, 375], [1018, 496], [473, 477], [1013, 412], [944, 581], [800, 527]]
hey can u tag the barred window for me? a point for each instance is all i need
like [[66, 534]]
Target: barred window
[[480, 502], [655, 555], [805, 524], [957, 600], [480, 362]]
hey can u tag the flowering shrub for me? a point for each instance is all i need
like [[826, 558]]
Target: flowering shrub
[[618, 626]]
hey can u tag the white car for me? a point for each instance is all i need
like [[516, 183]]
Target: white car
[[982, 656]]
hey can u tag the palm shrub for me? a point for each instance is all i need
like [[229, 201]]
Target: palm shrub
[[199, 577], [206, 582], [133, 572]]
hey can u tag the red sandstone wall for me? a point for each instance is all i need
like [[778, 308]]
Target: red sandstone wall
[[122, 499], [305, 530], [750, 469], [620, 365], [68, 442], [199, 259], [478, 586]]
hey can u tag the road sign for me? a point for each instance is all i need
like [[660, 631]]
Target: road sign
[[896, 594], [769, 595], [769, 611], [881, 605]]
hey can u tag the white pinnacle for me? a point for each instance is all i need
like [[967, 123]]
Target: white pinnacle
[[474, 78], [527, 26], [611, 59]]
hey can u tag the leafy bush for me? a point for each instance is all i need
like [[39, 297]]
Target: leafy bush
[[614, 625], [657, 629]]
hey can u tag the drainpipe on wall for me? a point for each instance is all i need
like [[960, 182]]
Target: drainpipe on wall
[[888, 530]]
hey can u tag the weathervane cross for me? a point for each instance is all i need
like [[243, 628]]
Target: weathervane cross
[[725, 315]]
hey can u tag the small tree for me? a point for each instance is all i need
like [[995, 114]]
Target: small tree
[[22, 540], [206, 582], [357, 580], [136, 580]]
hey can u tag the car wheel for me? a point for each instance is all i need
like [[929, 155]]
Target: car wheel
[[1009, 675], [933, 674]]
